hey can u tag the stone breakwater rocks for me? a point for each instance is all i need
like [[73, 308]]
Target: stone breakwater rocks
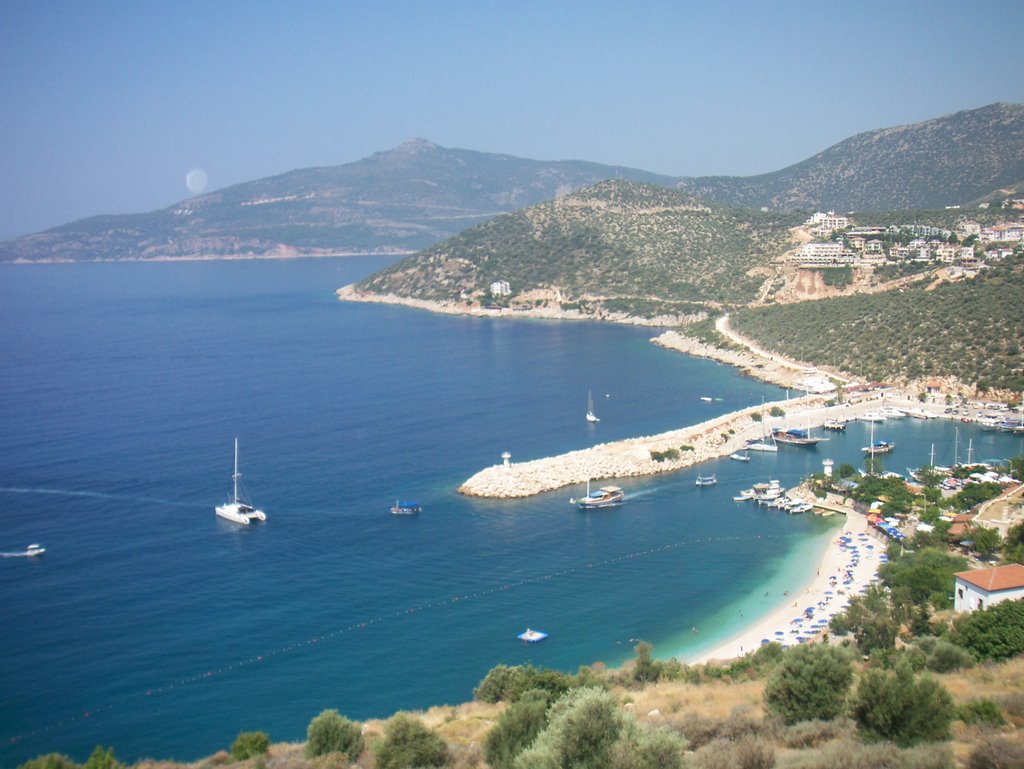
[[619, 459]]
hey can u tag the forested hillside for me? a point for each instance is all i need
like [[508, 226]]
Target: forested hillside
[[971, 330], [614, 243]]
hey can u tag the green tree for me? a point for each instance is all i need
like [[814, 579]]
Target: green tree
[[871, 620], [249, 744], [331, 732], [927, 574], [516, 729], [995, 633], [777, 411], [902, 707], [646, 669], [102, 759], [810, 683], [846, 470], [986, 541], [409, 744]]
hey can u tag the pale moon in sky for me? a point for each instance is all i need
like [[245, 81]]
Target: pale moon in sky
[[196, 181]]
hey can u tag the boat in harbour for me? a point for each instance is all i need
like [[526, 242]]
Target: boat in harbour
[[872, 416], [606, 496], [740, 456], [590, 408], [237, 510], [795, 437], [707, 480], [835, 424], [406, 508], [879, 447]]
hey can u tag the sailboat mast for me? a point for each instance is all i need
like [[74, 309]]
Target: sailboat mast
[[235, 476]]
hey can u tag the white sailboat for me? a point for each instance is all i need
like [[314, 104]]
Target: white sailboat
[[236, 510], [590, 408]]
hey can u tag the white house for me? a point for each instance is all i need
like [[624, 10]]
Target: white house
[[981, 588], [500, 288]]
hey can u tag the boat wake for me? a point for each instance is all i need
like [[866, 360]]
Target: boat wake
[[95, 495]]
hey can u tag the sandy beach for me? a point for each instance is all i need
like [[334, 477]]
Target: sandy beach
[[848, 565]]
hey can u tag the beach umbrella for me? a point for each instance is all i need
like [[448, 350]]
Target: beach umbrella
[[828, 592], [765, 641], [780, 632]]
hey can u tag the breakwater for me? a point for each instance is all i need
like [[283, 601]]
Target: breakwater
[[635, 456]]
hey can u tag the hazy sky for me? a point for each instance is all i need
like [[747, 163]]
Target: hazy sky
[[105, 107]]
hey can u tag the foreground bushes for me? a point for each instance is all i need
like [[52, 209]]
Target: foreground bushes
[[330, 732]]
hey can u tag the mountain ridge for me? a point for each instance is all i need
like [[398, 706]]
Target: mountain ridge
[[418, 194]]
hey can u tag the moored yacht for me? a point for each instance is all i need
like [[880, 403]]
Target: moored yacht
[[236, 510]]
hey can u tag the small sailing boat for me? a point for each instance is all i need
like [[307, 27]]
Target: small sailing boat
[[590, 408], [236, 510]]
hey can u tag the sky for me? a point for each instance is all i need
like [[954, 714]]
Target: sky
[[124, 107]]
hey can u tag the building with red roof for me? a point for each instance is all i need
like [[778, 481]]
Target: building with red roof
[[981, 588]]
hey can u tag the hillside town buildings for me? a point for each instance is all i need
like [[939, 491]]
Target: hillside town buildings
[[848, 246]]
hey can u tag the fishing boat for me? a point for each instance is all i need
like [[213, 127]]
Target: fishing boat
[[236, 510], [532, 636], [606, 496], [590, 408], [743, 456], [744, 496], [707, 480], [406, 508], [835, 424]]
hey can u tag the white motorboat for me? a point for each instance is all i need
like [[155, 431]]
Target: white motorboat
[[236, 510]]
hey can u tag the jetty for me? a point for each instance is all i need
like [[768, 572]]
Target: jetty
[[676, 449]]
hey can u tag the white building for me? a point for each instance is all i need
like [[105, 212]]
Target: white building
[[823, 254], [500, 288], [981, 588], [825, 224]]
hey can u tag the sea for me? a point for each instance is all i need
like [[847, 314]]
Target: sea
[[153, 627]]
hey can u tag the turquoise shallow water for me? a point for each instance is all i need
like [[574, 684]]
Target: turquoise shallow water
[[156, 628]]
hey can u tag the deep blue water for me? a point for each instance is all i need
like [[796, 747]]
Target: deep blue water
[[158, 629]]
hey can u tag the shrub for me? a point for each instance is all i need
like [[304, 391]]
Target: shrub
[[49, 761], [981, 712], [331, 732], [582, 728], [516, 729], [645, 748], [645, 669], [810, 683], [408, 743], [879, 755], [508, 684], [746, 753], [996, 753], [811, 734], [903, 708], [249, 744], [995, 633], [946, 657]]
